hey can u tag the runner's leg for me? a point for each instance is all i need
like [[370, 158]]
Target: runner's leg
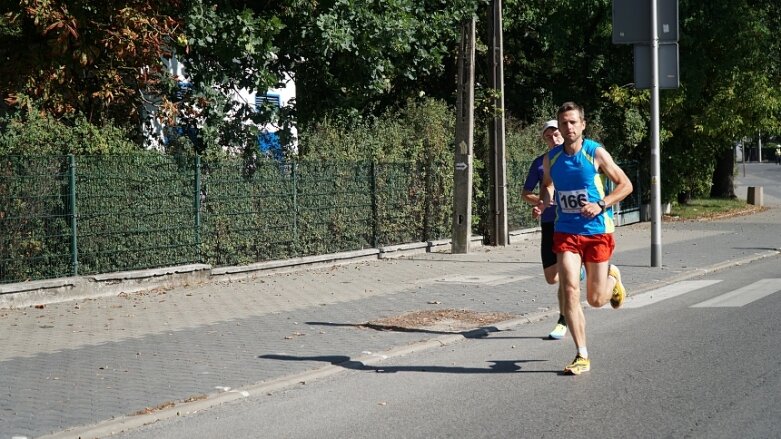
[[569, 282]]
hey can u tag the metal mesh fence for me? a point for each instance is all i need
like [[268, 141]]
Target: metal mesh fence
[[65, 216], [35, 235], [414, 203], [248, 211], [134, 212], [632, 202], [335, 206]]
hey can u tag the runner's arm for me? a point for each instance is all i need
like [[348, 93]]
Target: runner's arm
[[546, 185], [622, 186]]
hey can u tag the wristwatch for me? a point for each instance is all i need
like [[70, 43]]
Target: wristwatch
[[601, 204]]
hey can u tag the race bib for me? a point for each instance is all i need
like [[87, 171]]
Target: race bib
[[571, 201]]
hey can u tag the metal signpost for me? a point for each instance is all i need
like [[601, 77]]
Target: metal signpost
[[631, 25]]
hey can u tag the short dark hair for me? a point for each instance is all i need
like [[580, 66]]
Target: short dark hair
[[571, 106]]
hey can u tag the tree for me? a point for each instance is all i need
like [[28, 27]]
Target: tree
[[730, 89], [85, 58], [562, 51], [358, 57], [225, 47]]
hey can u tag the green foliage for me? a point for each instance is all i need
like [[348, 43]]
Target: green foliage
[[90, 59], [248, 211], [227, 47], [34, 231], [729, 53], [726, 93], [134, 211], [356, 63], [417, 139], [139, 211], [35, 195], [359, 57], [522, 145], [560, 51], [33, 133], [422, 130]]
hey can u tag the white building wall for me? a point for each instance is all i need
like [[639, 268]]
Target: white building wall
[[154, 127]]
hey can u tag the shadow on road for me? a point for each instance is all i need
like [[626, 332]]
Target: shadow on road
[[497, 366]]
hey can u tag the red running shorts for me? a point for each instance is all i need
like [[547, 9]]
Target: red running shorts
[[591, 248]]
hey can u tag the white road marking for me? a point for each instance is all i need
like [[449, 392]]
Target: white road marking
[[743, 296], [667, 292]]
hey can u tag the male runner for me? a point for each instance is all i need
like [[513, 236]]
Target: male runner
[[583, 231]]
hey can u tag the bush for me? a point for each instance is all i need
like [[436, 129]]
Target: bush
[[418, 137], [423, 130], [30, 133]]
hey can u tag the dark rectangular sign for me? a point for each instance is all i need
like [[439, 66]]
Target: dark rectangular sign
[[632, 21], [668, 66]]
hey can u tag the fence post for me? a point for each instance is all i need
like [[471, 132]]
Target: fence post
[[428, 198], [74, 221], [375, 212], [197, 206], [294, 172]]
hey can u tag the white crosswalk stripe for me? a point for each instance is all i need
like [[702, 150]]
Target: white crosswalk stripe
[[743, 296], [667, 292]]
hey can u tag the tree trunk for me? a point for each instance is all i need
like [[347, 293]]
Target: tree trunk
[[723, 183]]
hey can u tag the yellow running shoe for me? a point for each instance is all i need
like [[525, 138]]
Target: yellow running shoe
[[619, 292], [578, 366], [558, 332]]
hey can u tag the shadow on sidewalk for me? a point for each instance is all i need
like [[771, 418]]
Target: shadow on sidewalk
[[471, 333], [498, 366]]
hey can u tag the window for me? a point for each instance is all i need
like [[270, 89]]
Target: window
[[267, 99]]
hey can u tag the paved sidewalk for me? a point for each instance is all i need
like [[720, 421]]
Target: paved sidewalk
[[91, 367]]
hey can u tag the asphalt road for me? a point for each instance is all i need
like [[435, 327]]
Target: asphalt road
[[697, 359]]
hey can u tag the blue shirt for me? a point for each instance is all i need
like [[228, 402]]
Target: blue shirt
[[577, 182], [534, 178]]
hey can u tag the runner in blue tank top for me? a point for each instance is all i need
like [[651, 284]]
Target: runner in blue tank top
[[574, 176]]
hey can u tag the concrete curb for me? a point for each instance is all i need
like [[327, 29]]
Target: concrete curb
[[23, 294], [42, 292]]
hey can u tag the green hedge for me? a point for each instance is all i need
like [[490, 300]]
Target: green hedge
[[149, 210]]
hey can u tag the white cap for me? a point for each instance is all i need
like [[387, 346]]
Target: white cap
[[553, 123]]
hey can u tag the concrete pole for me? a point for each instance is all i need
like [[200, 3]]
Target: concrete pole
[[465, 126], [499, 184]]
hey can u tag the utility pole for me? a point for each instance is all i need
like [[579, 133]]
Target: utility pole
[[499, 234], [465, 127]]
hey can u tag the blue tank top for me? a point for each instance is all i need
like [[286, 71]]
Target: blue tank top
[[533, 178], [576, 182]]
